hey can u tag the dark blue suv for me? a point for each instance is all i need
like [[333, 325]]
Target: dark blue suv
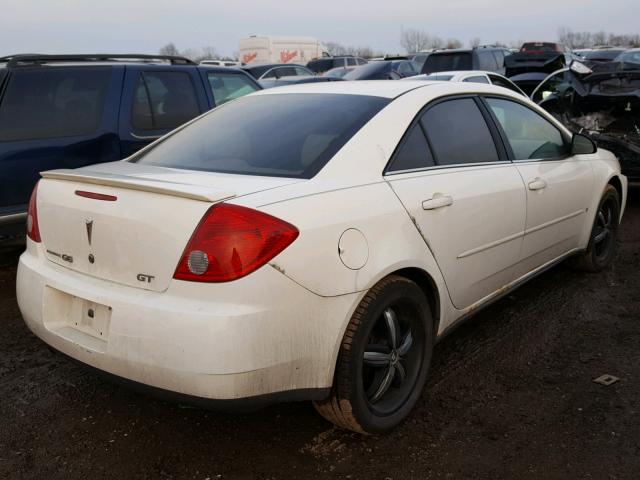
[[67, 111]]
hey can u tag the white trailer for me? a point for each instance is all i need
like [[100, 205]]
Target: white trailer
[[255, 50]]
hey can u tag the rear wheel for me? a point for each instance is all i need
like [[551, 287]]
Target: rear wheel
[[383, 360], [602, 244]]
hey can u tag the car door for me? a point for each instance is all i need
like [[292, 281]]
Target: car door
[[156, 100], [466, 198], [54, 117], [559, 186]]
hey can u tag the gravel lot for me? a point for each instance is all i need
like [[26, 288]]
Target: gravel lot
[[511, 395]]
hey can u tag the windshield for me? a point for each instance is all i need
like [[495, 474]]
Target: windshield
[[281, 135], [540, 47], [444, 62], [631, 57]]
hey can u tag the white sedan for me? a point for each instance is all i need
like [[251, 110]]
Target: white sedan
[[471, 76], [312, 242]]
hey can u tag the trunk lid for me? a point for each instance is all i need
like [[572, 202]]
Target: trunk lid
[[136, 238]]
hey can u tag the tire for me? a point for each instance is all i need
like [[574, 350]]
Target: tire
[[601, 250], [376, 394]]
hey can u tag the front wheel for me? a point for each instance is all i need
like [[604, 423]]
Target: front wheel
[[602, 244], [383, 360]]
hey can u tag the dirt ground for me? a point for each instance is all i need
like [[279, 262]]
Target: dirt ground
[[511, 395]]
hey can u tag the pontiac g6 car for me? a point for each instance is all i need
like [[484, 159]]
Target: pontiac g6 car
[[312, 242]]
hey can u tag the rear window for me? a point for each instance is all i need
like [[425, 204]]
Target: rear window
[[540, 47], [443, 62], [51, 103], [291, 135], [228, 86], [370, 71]]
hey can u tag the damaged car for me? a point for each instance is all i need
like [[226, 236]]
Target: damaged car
[[603, 102], [535, 60]]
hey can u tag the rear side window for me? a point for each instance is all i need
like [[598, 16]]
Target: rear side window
[[530, 135], [445, 62], [163, 100], [53, 102], [227, 86], [458, 133], [476, 79], [279, 135], [487, 61], [413, 152]]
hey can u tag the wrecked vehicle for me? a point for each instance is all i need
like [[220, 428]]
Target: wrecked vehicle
[[535, 60], [604, 102]]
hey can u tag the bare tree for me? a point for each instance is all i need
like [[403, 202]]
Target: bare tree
[[414, 40], [169, 49], [454, 43], [335, 48], [475, 42]]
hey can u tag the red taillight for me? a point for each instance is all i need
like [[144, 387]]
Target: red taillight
[[33, 230], [231, 242]]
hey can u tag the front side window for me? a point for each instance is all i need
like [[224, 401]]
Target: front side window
[[458, 133], [530, 135], [53, 102], [163, 101], [228, 86], [278, 135]]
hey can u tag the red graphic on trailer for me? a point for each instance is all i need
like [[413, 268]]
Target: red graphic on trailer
[[249, 57], [286, 55]]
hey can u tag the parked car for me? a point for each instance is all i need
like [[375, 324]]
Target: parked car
[[471, 76], [321, 65], [262, 49], [277, 70], [236, 262], [338, 72], [602, 102], [487, 58], [600, 55], [279, 82], [74, 110], [382, 70]]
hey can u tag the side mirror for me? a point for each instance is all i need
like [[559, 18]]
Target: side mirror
[[582, 145]]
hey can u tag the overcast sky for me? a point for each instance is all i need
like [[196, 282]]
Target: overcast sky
[[143, 26]]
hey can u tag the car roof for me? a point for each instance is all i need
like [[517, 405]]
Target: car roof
[[385, 88], [375, 88]]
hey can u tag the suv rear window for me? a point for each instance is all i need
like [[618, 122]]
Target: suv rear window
[[163, 100], [322, 65], [289, 135], [445, 62], [53, 102]]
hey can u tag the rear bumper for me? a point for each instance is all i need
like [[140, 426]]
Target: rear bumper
[[254, 338]]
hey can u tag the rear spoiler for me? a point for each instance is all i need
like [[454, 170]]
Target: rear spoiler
[[194, 192]]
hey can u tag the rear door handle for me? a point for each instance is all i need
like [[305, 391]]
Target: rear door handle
[[537, 184], [437, 201]]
